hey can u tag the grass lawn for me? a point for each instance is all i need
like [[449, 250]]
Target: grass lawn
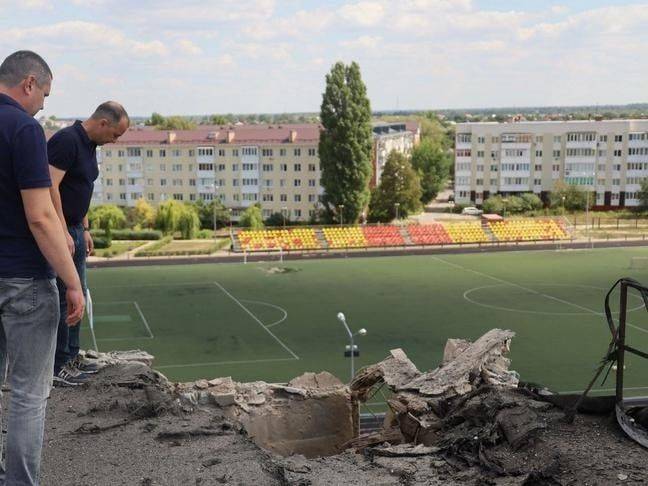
[[193, 245], [251, 322], [118, 247]]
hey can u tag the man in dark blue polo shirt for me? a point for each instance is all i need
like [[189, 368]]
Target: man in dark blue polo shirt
[[73, 168], [32, 250]]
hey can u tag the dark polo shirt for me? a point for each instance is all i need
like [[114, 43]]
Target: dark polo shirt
[[23, 165], [72, 151]]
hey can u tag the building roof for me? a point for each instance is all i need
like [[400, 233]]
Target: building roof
[[215, 134]]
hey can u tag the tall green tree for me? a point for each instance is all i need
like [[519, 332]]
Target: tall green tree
[[187, 223], [107, 217], [399, 184], [569, 197], [206, 213], [432, 162], [345, 143], [252, 218], [167, 216], [219, 120]]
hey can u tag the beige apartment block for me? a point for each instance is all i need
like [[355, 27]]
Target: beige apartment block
[[277, 166], [606, 157]]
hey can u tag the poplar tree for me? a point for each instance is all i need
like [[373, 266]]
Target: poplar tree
[[345, 144]]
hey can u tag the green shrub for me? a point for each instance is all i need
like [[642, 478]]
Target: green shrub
[[101, 242], [128, 234], [152, 249], [205, 234]]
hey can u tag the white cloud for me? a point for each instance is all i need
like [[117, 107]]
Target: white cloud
[[366, 13], [362, 42], [185, 46]]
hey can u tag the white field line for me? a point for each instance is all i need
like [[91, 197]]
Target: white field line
[[280, 309], [281, 343], [146, 324], [216, 363], [587, 309]]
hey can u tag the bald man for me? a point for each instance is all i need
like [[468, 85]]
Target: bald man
[[73, 169]]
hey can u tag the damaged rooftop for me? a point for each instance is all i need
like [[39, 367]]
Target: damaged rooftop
[[470, 420]]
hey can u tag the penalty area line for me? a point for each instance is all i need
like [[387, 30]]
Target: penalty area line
[[258, 321]]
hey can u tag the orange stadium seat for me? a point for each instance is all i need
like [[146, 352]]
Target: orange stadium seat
[[428, 234], [383, 236]]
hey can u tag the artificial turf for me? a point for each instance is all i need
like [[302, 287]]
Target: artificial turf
[[210, 320]]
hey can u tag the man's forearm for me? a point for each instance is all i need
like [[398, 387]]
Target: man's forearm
[[50, 238], [58, 205]]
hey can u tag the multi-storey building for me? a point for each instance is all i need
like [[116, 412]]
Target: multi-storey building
[[275, 165], [387, 137], [609, 158]]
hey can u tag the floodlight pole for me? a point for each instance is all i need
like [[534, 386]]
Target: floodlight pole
[[350, 342]]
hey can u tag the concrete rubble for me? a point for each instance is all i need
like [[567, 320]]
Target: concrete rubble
[[312, 415], [468, 421]]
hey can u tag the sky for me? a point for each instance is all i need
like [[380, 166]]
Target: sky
[[271, 56]]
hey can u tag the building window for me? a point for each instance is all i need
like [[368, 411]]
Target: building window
[[312, 152], [176, 167], [149, 153], [191, 153], [120, 153], [221, 152], [297, 182], [297, 197], [176, 153], [283, 167], [266, 152], [163, 182], [297, 152], [162, 152], [235, 168], [234, 152], [205, 151], [618, 138], [463, 137], [480, 154], [282, 152], [267, 167], [538, 153], [297, 167], [283, 197], [205, 167], [312, 183]]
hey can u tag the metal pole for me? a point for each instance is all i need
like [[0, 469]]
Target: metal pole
[[352, 357], [623, 302]]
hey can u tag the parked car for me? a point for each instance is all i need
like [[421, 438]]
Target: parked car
[[472, 211]]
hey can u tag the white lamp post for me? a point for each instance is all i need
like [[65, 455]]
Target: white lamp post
[[352, 347]]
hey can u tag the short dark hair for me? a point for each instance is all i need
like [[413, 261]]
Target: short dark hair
[[21, 64], [111, 111]]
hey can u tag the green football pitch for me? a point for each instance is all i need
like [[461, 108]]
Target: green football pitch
[[252, 322]]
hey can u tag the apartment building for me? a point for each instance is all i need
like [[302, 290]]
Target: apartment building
[[275, 165], [606, 157], [388, 137]]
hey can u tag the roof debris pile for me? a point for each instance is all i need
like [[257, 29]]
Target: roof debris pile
[[466, 422]]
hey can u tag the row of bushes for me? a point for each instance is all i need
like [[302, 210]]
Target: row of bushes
[[127, 234], [148, 253], [152, 249]]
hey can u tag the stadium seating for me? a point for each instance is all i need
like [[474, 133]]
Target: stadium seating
[[383, 236], [344, 237], [428, 234], [466, 232], [527, 230], [286, 239]]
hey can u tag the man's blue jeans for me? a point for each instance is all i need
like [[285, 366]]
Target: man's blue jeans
[[29, 313], [67, 339]]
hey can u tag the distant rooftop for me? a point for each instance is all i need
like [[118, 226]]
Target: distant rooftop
[[236, 134]]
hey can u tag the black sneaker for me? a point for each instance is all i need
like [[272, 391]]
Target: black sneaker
[[84, 365], [69, 376]]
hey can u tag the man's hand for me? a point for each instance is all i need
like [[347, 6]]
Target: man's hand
[[75, 306], [89, 244], [70, 241]]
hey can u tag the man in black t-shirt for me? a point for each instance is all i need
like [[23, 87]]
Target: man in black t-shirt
[[32, 251], [73, 169]]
